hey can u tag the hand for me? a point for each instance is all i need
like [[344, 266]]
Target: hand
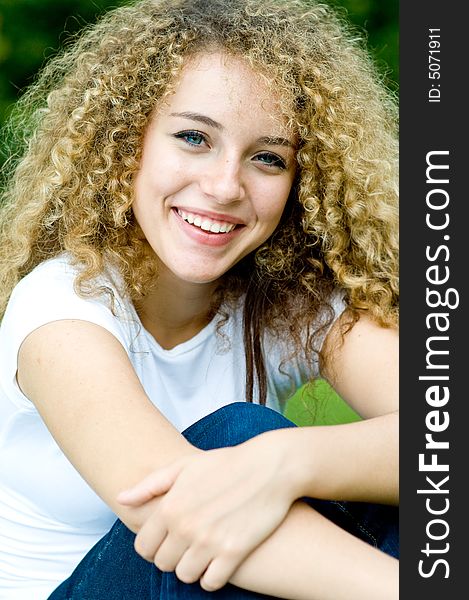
[[215, 508]]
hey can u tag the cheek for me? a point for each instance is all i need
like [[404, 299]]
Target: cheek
[[270, 208], [160, 179]]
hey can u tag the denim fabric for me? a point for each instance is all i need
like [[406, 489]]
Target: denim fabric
[[112, 570]]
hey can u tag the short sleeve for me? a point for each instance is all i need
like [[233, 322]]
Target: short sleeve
[[45, 295]]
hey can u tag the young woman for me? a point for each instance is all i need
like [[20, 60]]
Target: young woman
[[202, 220]]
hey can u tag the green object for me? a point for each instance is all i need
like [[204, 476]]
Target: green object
[[318, 404]]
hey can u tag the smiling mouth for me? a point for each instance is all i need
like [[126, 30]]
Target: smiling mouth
[[205, 223]]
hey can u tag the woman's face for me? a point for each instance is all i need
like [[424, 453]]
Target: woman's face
[[217, 167]]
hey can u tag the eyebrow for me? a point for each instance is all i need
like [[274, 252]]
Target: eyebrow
[[275, 141], [198, 117], [265, 140]]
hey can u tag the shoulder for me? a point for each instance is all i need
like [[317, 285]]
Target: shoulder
[[48, 294], [54, 281]]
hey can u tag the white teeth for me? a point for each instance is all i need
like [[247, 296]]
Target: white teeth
[[206, 224]]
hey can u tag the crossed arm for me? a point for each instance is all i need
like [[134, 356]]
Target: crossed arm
[[85, 388]]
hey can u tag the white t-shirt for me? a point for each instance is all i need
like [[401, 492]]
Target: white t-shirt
[[49, 516]]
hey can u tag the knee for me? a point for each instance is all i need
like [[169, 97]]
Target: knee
[[234, 424]]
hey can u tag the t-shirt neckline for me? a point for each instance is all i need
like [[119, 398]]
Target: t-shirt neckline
[[183, 347]]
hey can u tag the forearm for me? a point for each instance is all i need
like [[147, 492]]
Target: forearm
[[310, 558], [227, 502], [356, 462]]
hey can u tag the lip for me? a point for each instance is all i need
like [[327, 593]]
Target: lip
[[210, 215], [204, 237]]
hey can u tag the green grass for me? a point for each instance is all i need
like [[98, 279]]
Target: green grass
[[318, 404]]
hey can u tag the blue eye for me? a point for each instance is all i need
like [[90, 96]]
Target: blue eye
[[193, 138], [271, 160]]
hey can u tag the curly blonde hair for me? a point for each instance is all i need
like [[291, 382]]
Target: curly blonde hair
[[82, 123]]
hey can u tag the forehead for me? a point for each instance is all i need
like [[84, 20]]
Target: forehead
[[227, 87]]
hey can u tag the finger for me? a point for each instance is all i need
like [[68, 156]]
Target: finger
[[155, 484], [218, 573], [170, 553], [193, 564], [150, 537]]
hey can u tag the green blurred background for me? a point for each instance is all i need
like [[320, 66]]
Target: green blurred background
[[31, 31]]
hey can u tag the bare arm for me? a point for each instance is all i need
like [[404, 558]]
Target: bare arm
[[88, 394], [364, 369], [85, 388], [357, 461], [310, 558]]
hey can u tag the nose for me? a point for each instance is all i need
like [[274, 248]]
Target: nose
[[222, 180]]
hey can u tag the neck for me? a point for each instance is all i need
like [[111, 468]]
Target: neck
[[174, 311]]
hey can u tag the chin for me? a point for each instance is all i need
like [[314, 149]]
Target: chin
[[202, 279], [197, 277]]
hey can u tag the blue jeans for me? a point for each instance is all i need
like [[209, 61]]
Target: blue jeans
[[112, 570]]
